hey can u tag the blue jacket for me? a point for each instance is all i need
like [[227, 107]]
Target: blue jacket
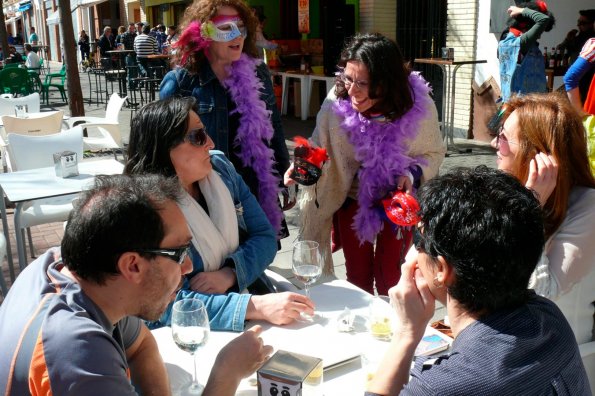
[[212, 103], [253, 256]]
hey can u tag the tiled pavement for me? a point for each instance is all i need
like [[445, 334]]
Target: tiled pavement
[[48, 235]]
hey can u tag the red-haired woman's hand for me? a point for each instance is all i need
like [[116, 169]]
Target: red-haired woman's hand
[[543, 173]]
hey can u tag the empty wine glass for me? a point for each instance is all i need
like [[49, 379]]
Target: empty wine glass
[[190, 329], [306, 264]]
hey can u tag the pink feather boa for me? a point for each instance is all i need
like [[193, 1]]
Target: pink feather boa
[[255, 133], [383, 151]]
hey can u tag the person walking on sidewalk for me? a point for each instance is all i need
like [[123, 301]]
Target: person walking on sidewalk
[[219, 66], [380, 129]]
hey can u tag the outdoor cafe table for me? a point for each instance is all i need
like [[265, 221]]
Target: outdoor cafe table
[[22, 186], [340, 352]]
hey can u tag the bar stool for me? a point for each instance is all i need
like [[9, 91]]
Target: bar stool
[[329, 81], [304, 82]]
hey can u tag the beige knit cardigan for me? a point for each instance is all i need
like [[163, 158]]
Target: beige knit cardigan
[[338, 174]]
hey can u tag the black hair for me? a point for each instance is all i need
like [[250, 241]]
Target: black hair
[[146, 29], [119, 213], [589, 14], [157, 128], [389, 75], [28, 47], [489, 228], [523, 23]]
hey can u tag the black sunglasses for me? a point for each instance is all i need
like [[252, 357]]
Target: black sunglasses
[[196, 137], [178, 254]]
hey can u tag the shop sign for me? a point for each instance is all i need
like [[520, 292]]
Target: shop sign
[[304, 16]]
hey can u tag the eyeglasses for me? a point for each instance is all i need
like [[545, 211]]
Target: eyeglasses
[[348, 81], [196, 137], [178, 254], [583, 23], [502, 142]]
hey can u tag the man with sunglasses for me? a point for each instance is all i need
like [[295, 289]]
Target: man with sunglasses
[[72, 322]]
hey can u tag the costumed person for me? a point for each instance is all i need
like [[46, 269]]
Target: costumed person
[[232, 241], [579, 70], [218, 64], [542, 143], [380, 129], [522, 69]]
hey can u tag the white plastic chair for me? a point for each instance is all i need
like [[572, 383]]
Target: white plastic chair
[[106, 130], [7, 104], [40, 124], [29, 152]]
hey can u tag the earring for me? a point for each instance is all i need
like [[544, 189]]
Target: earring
[[437, 283]]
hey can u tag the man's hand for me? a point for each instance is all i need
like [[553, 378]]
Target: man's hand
[[543, 173], [238, 359], [414, 302], [571, 35], [279, 308], [215, 282]]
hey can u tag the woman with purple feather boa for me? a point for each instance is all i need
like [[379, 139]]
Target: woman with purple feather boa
[[380, 129], [218, 64]]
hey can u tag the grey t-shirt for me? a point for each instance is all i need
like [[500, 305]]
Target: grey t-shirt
[[70, 348]]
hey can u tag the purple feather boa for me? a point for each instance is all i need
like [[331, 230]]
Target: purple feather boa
[[255, 133], [382, 149]]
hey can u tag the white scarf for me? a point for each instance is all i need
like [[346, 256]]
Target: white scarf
[[214, 235]]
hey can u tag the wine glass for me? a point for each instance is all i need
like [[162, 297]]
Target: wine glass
[[190, 329], [306, 264]]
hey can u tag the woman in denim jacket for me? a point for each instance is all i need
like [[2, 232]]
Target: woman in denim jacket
[[218, 65], [233, 242]]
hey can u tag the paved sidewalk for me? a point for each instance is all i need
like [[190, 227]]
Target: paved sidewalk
[[48, 235]]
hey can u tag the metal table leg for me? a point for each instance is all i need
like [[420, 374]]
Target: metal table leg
[[19, 236], [6, 235]]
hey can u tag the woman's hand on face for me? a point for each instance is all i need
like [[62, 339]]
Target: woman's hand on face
[[279, 308], [288, 181], [414, 302], [543, 173], [215, 282]]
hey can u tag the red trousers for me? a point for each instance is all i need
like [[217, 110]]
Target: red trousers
[[366, 266]]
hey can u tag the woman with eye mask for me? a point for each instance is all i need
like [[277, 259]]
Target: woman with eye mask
[[218, 64], [380, 129]]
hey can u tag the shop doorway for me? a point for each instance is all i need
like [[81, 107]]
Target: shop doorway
[[421, 32]]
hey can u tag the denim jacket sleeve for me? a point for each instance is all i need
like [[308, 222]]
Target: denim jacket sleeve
[[227, 312], [258, 250], [278, 141]]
